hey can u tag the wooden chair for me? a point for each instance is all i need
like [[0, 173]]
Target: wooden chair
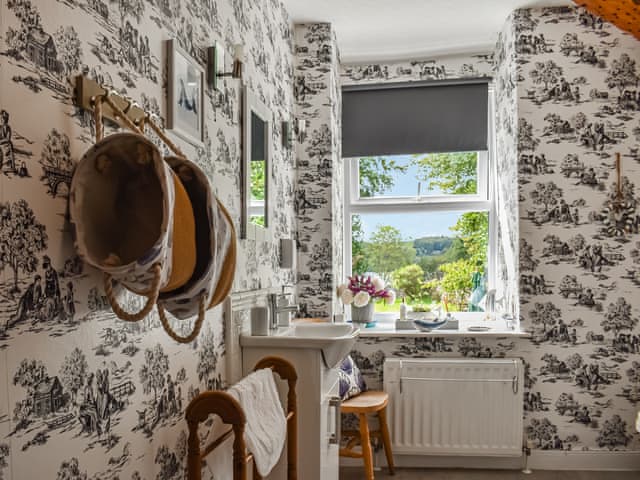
[[367, 403], [220, 403]]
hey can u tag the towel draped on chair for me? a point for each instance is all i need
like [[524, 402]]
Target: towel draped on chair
[[266, 427]]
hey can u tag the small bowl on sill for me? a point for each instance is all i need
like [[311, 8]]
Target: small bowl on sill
[[428, 326]]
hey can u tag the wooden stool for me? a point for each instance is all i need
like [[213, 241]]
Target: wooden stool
[[361, 405]]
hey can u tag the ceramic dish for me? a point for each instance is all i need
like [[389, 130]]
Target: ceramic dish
[[425, 326], [478, 329]]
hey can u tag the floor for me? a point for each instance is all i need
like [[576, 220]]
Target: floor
[[433, 474]]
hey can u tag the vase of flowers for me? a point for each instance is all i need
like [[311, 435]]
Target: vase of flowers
[[361, 292]]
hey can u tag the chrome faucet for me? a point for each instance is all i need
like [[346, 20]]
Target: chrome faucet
[[276, 307]]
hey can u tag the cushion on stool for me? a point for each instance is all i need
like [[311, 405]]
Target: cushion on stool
[[351, 381]]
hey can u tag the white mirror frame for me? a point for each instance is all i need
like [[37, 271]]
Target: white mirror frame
[[252, 104]]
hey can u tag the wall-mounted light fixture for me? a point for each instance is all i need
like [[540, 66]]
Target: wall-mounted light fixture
[[300, 129], [216, 66]]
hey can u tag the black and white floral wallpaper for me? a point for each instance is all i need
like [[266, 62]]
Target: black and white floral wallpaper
[[320, 170], [87, 395], [567, 89]]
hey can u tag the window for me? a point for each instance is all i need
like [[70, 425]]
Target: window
[[424, 222]]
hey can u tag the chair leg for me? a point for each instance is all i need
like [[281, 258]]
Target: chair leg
[[386, 439], [365, 441]]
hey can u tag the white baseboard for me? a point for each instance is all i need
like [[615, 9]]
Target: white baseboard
[[587, 460], [539, 460]]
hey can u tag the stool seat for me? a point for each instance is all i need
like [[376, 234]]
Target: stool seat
[[366, 402], [363, 404]]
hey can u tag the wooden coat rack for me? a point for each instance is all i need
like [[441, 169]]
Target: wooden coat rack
[[88, 90]]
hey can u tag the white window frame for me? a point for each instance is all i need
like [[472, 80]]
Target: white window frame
[[484, 200]]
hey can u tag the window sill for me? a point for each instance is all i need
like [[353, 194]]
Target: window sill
[[497, 328]]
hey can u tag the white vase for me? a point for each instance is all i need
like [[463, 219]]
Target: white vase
[[362, 314]]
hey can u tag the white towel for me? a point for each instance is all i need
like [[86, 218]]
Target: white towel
[[266, 428]]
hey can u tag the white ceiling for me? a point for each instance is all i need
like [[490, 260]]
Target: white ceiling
[[369, 30]]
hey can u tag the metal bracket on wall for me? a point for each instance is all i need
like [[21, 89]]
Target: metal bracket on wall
[[88, 90]]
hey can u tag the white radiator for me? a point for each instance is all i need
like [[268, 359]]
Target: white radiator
[[455, 406]]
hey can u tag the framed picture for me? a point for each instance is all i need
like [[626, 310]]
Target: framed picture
[[185, 116]]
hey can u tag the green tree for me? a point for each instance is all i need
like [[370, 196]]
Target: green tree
[[456, 173], [359, 262], [387, 251], [409, 280], [258, 182], [376, 175], [449, 172], [473, 231], [457, 282], [455, 286]]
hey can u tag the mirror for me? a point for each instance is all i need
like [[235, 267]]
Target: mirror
[[256, 163]]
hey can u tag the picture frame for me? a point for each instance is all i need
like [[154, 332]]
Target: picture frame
[[185, 95]]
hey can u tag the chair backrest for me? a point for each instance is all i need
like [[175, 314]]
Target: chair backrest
[[220, 403]]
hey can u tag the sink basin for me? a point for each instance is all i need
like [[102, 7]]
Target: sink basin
[[321, 330], [334, 340]]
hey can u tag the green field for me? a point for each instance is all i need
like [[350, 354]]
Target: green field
[[384, 308]]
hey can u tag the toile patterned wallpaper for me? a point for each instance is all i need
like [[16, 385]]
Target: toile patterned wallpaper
[[88, 396], [438, 68], [320, 170], [567, 88]]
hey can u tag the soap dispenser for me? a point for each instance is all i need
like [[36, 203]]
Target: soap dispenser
[[403, 311]]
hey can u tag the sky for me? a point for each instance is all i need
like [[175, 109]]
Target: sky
[[414, 225]]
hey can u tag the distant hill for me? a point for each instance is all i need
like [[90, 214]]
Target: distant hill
[[428, 246], [432, 246]]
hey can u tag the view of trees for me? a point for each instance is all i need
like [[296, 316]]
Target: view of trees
[[376, 175], [432, 267], [390, 252]]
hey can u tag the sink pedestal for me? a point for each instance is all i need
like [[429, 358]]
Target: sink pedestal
[[318, 415]]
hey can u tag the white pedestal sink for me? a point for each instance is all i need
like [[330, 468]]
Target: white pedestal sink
[[315, 350], [334, 340]]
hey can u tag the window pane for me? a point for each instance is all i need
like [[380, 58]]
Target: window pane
[[436, 258], [420, 174]]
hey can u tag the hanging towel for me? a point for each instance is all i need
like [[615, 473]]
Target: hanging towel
[[266, 427]]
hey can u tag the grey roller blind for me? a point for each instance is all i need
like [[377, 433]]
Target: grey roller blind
[[406, 118]]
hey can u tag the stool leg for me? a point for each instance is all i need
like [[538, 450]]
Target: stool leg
[[365, 441], [386, 439]]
